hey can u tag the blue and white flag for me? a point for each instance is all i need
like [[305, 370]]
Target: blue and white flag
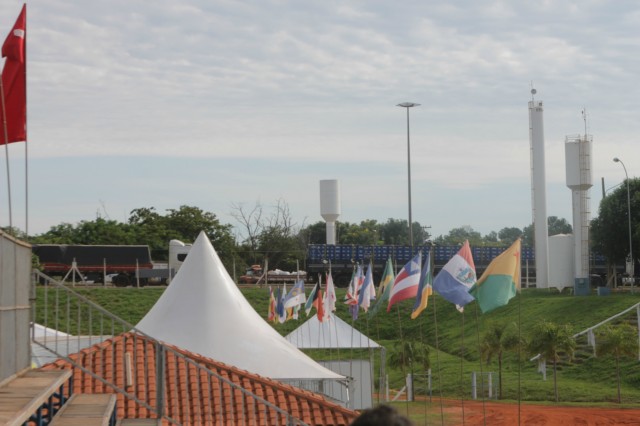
[[367, 291], [456, 277], [295, 296]]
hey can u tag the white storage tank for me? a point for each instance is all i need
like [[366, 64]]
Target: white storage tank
[[578, 170], [561, 261], [330, 206]]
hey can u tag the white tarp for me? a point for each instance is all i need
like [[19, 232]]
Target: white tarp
[[331, 334], [42, 332], [62, 343], [203, 311]]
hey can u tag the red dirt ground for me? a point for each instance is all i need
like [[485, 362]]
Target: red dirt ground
[[495, 414]]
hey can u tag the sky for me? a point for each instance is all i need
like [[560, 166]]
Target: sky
[[224, 104]]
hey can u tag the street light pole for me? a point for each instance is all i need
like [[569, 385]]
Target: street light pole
[[408, 105], [631, 272]]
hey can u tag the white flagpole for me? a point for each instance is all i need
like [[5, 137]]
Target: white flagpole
[[6, 152]]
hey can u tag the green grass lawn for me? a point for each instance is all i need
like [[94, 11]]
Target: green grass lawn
[[584, 380]]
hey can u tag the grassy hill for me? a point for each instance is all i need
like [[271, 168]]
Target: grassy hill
[[454, 342]]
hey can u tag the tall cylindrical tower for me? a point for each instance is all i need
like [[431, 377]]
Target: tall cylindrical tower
[[578, 166], [330, 206], [538, 192]]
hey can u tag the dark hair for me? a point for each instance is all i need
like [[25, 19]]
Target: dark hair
[[382, 415]]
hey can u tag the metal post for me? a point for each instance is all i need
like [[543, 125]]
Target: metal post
[[632, 263], [160, 379], [408, 105], [474, 388]]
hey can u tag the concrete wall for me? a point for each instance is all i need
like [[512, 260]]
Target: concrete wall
[[15, 281]]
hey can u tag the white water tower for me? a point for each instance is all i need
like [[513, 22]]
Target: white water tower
[[538, 192], [578, 166], [330, 206]]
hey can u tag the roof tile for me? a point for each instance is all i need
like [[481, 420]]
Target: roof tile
[[192, 396]]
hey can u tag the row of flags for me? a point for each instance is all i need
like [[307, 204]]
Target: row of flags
[[456, 283]]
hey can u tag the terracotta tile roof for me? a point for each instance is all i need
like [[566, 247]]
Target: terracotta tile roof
[[193, 396]]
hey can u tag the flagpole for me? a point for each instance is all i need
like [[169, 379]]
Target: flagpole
[[484, 412], [26, 151], [462, 369], [435, 319], [6, 151], [519, 346], [404, 356]]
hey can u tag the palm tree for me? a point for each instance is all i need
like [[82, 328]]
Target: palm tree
[[499, 338], [551, 341], [617, 341], [407, 353]]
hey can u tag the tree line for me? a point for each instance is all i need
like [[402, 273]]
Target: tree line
[[270, 232]]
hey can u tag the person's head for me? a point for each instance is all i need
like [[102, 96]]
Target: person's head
[[382, 415]]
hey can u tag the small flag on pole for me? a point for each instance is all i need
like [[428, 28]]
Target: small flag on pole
[[384, 289], [500, 281], [424, 289], [406, 283], [456, 277]]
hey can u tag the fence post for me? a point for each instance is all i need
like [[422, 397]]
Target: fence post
[[160, 378], [638, 316], [386, 388], [409, 381], [490, 382], [474, 389]]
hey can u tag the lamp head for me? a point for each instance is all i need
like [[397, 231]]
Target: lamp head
[[616, 159], [408, 105]]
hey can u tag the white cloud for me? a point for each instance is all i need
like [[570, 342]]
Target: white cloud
[[280, 83]]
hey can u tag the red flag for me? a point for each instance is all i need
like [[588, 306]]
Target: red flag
[[14, 83], [319, 304]]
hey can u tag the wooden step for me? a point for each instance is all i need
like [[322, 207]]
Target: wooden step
[[21, 397], [86, 409]]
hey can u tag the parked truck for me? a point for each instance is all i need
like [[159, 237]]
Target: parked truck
[[123, 265]]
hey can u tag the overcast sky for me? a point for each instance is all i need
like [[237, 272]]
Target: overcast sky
[[213, 103]]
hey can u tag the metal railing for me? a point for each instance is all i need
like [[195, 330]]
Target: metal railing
[[73, 322]]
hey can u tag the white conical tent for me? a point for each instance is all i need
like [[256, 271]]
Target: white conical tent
[[335, 333], [331, 334], [203, 311]]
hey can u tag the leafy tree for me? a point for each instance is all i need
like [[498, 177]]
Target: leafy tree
[[273, 237], [409, 353], [316, 233], [555, 226], [99, 231], [15, 232], [552, 341], [491, 237], [394, 231], [558, 225], [509, 235], [620, 341], [147, 227], [610, 230], [366, 233], [499, 338], [457, 236]]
